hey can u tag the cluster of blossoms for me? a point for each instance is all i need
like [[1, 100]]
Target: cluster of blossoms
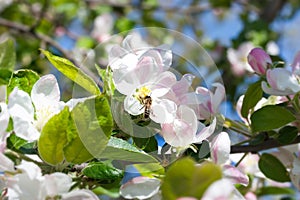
[[279, 81], [141, 73], [29, 114], [282, 84]]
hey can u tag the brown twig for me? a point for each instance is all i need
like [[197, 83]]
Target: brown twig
[[268, 144], [27, 30]]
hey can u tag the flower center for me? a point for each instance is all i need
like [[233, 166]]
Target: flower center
[[142, 93]]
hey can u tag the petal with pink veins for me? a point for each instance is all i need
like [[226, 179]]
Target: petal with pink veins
[[235, 175], [220, 148]]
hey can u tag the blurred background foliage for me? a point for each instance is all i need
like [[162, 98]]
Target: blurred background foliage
[[227, 29]]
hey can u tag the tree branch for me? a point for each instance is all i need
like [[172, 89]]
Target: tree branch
[[28, 30], [268, 144], [48, 40]]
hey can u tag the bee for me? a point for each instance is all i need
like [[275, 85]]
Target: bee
[[146, 101]]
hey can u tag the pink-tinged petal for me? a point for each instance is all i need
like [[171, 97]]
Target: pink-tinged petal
[[140, 188], [45, 91], [222, 190], [6, 164], [296, 64], [220, 148], [217, 97], [163, 80], [205, 131], [82, 194], [146, 70], [282, 82], [183, 86], [163, 111], [259, 60], [177, 134], [235, 175]]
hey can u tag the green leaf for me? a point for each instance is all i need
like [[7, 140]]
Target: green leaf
[[272, 168], [150, 170], [185, 179], [118, 149], [5, 75], [253, 94], [272, 190], [147, 144], [85, 42], [113, 193], [99, 170], [23, 79], [124, 24], [54, 137], [72, 72], [287, 134], [270, 117], [7, 55], [91, 130], [15, 142], [107, 78]]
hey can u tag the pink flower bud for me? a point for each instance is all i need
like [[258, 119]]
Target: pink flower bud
[[259, 60]]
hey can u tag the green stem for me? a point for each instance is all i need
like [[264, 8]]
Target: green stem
[[242, 158], [22, 156]]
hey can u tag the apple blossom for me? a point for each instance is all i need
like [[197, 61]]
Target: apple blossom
[[140, 188], [238, 58], [31, 184], [259, 60], [185, 129], [31, 113], [222, 190], [281, 82], [210, 101], [220, 151]]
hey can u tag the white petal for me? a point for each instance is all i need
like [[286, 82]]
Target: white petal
[[6, 164], [73, 102], [220, 148], [45, 91], [25, 129], [222, 189], [32, 170], [133, 106], [267, 89], [4, 119], [140, 188], [80, 195], [57, 183], [20, 105], [163, 111], [3, 93]]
